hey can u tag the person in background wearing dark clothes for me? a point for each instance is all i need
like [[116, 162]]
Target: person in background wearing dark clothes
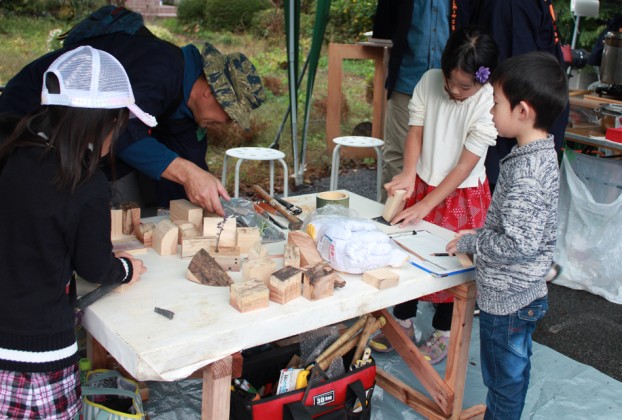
[[54, 222], [419, 30], [518, 27], [185, 90]]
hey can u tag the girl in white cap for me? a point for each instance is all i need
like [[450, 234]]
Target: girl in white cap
[[54, 222]]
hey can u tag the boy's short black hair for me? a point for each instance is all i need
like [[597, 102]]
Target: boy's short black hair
[[538, 79]]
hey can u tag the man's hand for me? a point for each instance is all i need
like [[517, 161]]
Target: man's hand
[[202, 188]]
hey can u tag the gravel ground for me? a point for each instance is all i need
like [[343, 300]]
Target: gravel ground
[[579, 324]]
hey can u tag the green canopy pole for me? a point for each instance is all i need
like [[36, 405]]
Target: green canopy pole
[[319, 28], [292, 28]]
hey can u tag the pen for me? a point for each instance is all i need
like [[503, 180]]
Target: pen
[[441, 254]]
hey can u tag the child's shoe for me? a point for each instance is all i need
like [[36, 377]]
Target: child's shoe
[[380, 343], [554, 272], [435, 349]]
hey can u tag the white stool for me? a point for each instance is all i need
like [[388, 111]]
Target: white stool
[[255, 153], [357, 141]]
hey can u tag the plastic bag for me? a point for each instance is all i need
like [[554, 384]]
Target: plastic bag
[[353, 245], [247, 216], [590, 222]]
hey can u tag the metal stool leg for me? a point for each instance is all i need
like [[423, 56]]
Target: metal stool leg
[[285, 178], [224, 171], [272, 178], [378, 173], [237, 177], [334, 170]]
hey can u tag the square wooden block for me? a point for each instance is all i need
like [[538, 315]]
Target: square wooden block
[[381, 278]]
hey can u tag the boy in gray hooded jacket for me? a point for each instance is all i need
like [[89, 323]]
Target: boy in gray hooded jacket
[[515, 247]]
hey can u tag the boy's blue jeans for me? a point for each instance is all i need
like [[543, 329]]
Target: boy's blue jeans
[[505, 352]]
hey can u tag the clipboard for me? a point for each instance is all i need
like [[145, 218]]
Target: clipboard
[[420, 246]]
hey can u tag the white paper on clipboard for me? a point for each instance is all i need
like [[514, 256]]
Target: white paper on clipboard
[[425, 243]]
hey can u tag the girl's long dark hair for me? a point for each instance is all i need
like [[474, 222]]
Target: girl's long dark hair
[[468, 49], [75, 135]]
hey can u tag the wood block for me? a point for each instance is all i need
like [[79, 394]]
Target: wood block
[[309, 255], [250, 295], [285, 284], [228, 236], [186, 230], [292, 255], [227, 257], [190, 246], [258, 270], [184, 210], [257, 252], [144, 233], [381, 278], [318, 281], [247, 238], [394, 205], [116, 224], [204, 269], [131, 217], [129, 244], [165, 238]]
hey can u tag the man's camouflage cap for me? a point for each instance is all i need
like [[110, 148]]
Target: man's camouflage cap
[[235, 83]]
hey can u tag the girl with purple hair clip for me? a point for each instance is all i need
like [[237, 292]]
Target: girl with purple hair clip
[[444, 177]]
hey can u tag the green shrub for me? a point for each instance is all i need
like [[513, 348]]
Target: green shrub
[[268, 23], [191, 11], [233, 15], [60, 9], [349, 19]]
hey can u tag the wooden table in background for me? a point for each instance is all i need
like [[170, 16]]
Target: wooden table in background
[[206, 330], [361, 51]]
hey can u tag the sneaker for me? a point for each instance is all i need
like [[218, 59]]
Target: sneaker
[[381, 344], [553, 273], [435, 349]]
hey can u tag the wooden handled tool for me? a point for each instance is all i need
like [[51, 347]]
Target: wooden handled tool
[[326, 362], [294, 222], [350, 332], [362, 341]]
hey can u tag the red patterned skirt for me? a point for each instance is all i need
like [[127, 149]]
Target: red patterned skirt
[[465, 208]]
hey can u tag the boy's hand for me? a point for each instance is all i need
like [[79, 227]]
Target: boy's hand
[[452, 246]]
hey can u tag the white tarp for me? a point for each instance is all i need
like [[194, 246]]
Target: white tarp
[[590, 224]]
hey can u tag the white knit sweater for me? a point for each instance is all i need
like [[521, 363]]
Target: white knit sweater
[[449, 126]]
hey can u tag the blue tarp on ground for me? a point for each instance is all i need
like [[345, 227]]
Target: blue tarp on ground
[[560, 388]]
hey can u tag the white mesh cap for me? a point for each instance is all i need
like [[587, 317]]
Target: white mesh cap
[[91, 78]]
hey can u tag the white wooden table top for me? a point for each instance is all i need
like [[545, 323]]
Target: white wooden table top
[[206, 328]]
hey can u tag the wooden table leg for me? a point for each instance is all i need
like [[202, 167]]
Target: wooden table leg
[[96, 352], [448, 393], [217, 390]]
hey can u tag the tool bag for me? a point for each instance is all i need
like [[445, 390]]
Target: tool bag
[[345, 397], [107, 395]]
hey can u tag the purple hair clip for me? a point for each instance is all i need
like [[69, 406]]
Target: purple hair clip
[[482, 74]]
